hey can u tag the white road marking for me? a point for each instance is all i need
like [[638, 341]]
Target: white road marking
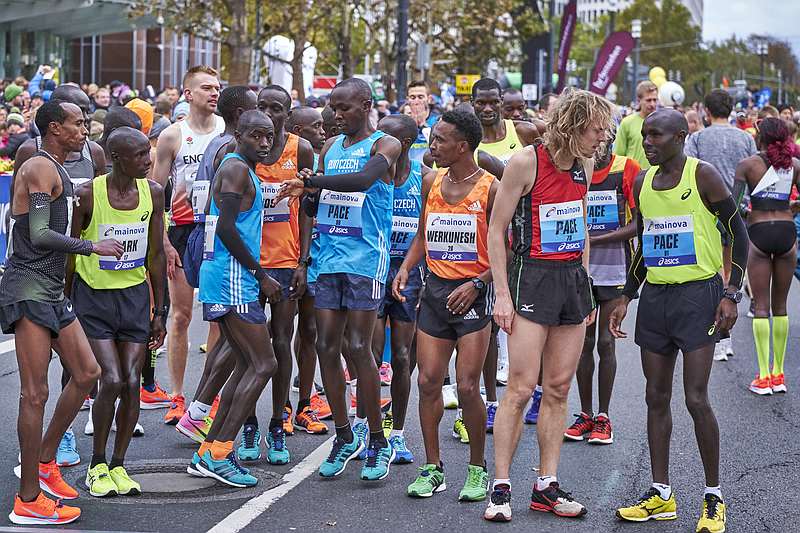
[[7, 346], [251, 509]]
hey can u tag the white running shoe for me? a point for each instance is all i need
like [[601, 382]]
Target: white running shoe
[[502, 374], [449, 396], [89, 428], [727, 344], [719, 352], [499, 508]]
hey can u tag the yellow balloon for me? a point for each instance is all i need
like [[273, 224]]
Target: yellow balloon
[[657, 72], [659, 81]]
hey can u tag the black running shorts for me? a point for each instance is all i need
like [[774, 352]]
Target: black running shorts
[[550, 292], [437, 321], [113, 314], [53, 316]]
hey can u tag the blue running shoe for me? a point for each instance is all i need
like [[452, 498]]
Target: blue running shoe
[[192, 468], [532, 416], [277, 454], [67, 453], [249, 447], [226, 470], [402, 455], [341, 454], [379, 458], [361, 431], [491, 410]]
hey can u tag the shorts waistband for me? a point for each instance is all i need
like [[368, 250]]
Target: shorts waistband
[[677, 286], [547, 263]]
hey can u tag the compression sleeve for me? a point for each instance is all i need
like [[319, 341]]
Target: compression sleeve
[[637, 270], [376, 168], [44, 237], [230, 204], [727, 213], [738, 191]]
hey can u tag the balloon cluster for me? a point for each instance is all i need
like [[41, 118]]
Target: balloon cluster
[[670, 93]]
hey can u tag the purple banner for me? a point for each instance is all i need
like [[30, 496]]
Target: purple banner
[[609, 60], [568, 21]]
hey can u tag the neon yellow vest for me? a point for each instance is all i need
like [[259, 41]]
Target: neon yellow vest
[[504, 148]]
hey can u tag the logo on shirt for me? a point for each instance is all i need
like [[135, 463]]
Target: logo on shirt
[[513, 145], [145, 215], [288, 165], [359, 152], [471, 315], [413, 190], [712, 329], [475, 206], [686, 194], [189, 140]]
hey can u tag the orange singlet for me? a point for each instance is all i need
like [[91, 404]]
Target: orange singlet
[[280, 235], [455, 235]]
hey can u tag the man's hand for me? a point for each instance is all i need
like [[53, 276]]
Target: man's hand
[[460, 300], [294, 188], [173, 260], [617, 316], [298, 285], [108, 247], [504, 312], [271, 289], [727, 313], [592, 315], [399, 284], [157, 332]]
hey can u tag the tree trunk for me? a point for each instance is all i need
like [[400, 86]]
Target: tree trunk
[[297, 68], [239, 45]]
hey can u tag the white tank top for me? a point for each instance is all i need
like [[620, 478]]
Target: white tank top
[[185, 167]]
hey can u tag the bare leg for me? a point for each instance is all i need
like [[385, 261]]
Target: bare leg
[[433, 357], [181, 299]]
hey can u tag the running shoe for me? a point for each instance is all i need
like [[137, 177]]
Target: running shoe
[[761, 386], [378, 460], [727, 344], [601, 431], [197, 430], [177, 408], [341, 454], [475, 486], [491, 410], [429, 481], [460, 430], [250, 444], [532, 416], [88, 429], [125, 485], [385, 373], [288, 427], [361, 431], [449, 397], [308, 421], [719, 352], [499, 508], [386, 404], [158, 399], [321, 407], [214, 407], [712, 519], [277, 453], [353, 402], [42, 511], [87, 403], [227, 471], [502, 375], [402, 455], [99, 482], [203, 348], [583, 424], [50, 481], [387, 424], [192, 468], [651, 506], [67, 452], [556, 501], [777, 383]]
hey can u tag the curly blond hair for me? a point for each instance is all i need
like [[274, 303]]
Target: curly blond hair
[[571, 114]]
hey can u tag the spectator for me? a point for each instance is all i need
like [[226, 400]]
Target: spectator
[[180, 112], [102, 99], [173, 95], [17, 134], [97, 124], [545, 103], [12, 93], [417, 100], [694, 121], [144, 111], [629, 134]]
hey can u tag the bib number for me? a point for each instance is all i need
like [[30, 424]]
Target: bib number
[[274, 212], [403, 231], [669, 241], [452, 237], [200, 190], [210, 230], [776, 184], [602, 214], [561, 227], [134, 245], [340, 213]]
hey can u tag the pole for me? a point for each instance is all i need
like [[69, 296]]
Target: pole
[[548, 81], [402, 49], [635, 69]]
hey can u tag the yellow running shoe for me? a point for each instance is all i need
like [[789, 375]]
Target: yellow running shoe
[[99, 482], [125, 485], [651, 506], [713, 518], [460, 430]]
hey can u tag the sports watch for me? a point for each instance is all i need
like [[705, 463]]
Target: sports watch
[[479, 284], [306, 261], [735, 296]]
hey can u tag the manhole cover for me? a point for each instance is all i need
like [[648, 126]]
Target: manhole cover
[[166, 481]]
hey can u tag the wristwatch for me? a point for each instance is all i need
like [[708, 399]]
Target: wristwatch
[[160, 311], [306, 261], [479, 284], [735, 296]]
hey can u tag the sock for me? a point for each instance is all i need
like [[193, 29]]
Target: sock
[[538, 389], [498, 482], [149, 371], [251, 421], [199, 410], [302, 404], [396, 433], [761, 337], [489, 404], [358, 420], [460, 415], [275, 423], [97, 458], [664, 490], [115, 462], [204, 447], [713, 490], [780, 333], [604, 415], [378, 438], [542, 482], [220, 450], [345, 433]]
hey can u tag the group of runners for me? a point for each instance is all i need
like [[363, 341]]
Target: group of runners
[[507, 240]]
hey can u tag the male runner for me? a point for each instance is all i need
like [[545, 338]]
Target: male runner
[[179, 152], [112, 297], [611, 224], [417, 99], [355, 220], [513, 106], [33, 307], [629, 132], [230, 282], [544, 192], [683, 304]]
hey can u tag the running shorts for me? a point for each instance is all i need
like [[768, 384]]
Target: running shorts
[[606, 293], [53, 316], [252, 313], [179, 238], [402, 311], [437, 321], [284, 277], [347, 291], [550, 292], [113, 314]]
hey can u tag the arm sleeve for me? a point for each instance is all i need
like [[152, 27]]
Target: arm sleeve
[[637, 270], [44, 237], [726, 212], [738, 191], [230, 237], [376, 168]]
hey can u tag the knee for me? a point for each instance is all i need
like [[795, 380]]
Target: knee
[[657, 398], [556, 392], [181, 319], [400, 359], [112, 384], [87, 378], [264, 370], [697, 404], [358, 346], [588, 343], [468, 386], [517, 397], [429, 385], [282, 346], [605, 347], [132, 385], [35, 396]]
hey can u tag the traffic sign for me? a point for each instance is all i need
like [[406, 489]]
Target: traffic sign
[[464, 83]]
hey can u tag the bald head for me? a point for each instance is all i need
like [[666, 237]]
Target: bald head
[[129, 149], [72, 94], [302, 116], [125, 136], [668, 120], [401, 127], [252, 119], [664, 134]]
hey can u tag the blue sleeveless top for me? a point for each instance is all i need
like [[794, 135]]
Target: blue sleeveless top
[[405, 214]]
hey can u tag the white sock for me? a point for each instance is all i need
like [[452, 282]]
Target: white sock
[[714, 490], [492, 403], [502, 348], [358, 420], [664, 490], [198, 410], [538, 389], [459, 413], [501, 482], [542, 482], [601, 414], [396, 433]]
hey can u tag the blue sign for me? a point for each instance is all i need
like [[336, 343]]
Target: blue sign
[[5, 205], [762, 97]]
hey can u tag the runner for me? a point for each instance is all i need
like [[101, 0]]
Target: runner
[[417, 98], [769, 176], [33, 307], [230, 282], [544, 192], [680, 200], [401, 315], [112, 297], [629, 132], [355, 210], [455, 310], [611, 221], [179, 152]]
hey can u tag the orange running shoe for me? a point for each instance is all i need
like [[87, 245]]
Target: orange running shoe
[[761, 386], [288, 427], [50, 480], [214, 407], [777, 383], [158, 399], [386, 404], [583, 424], [42, 511], [307, 420], [320, 406], [176, 410]]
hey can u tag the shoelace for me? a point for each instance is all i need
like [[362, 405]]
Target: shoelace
[[398, 443], [234, 462], [278, 438], [579, 421], [602, 425], [560, 493], [336, 449], [501, 496], [249, 435], [474, 477], [312, 414], [649, 494], [372, 454], [67, 443], [711, 505]]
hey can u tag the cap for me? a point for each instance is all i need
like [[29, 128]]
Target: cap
[[158, 126], [12, 91], [99, 115], [15, 118], [144, 111], [181, 110]]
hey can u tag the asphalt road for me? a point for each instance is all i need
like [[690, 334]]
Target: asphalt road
[[759, 465]]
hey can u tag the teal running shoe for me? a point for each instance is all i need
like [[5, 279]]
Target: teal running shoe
[[277, 454], [192, 468], [361, 431], [226, 471], [402, 455], [249, 447], [379, 456], [341, 454], [67, 453]]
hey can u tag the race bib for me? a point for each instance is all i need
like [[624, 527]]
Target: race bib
[[403, 231], [452, 237], [274, 212], [668, 241], [134, 245], [776, 184], [200, 190], [561, 227], [601, 210], [340, 213], [210, 230]]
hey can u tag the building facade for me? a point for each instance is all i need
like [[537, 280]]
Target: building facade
[[591, 10]]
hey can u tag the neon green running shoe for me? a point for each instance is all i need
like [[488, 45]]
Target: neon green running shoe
[[476, 485], [387, 424], [460, 430], [429, 481], [99, 482], [125, 485]]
